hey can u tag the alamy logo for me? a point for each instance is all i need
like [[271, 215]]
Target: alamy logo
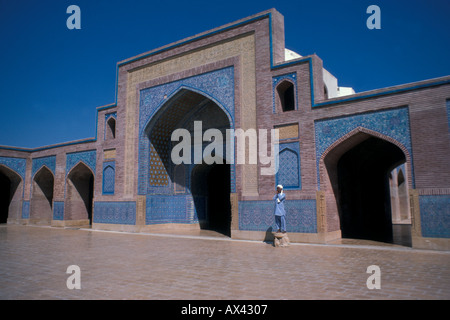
[[374, 280], [74, 21], [220, 147], [374, 21], [74, 280]]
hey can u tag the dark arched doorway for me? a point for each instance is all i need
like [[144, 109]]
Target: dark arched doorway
[[359, 172], [79, 194], [210, 187], [41, 206], [10, 195]]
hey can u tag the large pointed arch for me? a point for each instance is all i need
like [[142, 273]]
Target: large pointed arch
[[184, 109], [79, 194], [354, 173], [41, 204], [349, 140], [174, 96], [179, 110]]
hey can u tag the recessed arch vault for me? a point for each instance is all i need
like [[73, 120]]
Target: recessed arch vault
[[79, 194], [354, 174], [41, 204], [158, 175]]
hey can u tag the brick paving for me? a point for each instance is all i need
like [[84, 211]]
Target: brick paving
[[34, 260]]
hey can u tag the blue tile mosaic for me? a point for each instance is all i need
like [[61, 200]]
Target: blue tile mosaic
[[435, 215], [169, 209], [288, 173], [217, 85], [108, 115], [26, 210], [109, 177], [58, 210], [38, 163], [292, 77], [18, 165], [393, 123], [115, 212], [259, 215], [89, 158]]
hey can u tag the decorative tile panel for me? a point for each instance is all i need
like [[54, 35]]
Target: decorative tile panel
[[26, 210], [170, 209], [38, 163], [18, 165], [217, 85], [288, 173], [109, 154], [108, 115], [288, 131], [435, 215], [58, 210], [109, 177], [87, 157], [301, 215], [393, 123], [115, 212]]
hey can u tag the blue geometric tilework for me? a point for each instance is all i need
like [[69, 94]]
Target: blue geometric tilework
[[38, 163], [217, 85], [108, 115], [288, 173], [169, 209], [18, 165], [435, 215], [277, 80], [115, 212], [154, 142], [109, 177], [259, 215], [26, 210], [58, 210], [393, 123], [89, 158]]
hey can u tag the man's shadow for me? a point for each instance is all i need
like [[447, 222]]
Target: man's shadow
[[269, 238]]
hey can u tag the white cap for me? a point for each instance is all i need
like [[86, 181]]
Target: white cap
[[279, 186]]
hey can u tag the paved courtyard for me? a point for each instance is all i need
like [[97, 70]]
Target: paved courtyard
[[34, 261]]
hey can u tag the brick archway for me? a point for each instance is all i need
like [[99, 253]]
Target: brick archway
[[161, 177], [79, 195], [41, 204], [353, 174]]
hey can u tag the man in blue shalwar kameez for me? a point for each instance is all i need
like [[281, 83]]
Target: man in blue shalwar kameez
[[280, 213]]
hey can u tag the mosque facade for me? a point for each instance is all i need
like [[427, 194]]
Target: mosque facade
[[353, 165]]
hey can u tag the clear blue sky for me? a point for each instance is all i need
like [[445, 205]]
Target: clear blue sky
[[52, 79]]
